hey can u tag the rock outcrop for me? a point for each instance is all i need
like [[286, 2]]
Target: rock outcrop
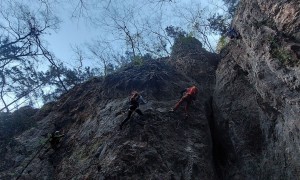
[[158, 145], [244, 125], [257, 94]]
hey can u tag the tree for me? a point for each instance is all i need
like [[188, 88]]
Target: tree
[[129, 29], [22, 47], [102, 52], [220, 23], [70, 78], [231, 6], [130, 26], [175, 32]]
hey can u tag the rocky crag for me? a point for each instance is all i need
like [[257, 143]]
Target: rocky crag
[[257, 95], [244, 125], [158, 145]]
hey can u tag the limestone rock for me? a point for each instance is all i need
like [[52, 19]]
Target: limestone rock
[[256, 98]]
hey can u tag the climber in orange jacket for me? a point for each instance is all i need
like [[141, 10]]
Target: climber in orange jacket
[[187, 95]]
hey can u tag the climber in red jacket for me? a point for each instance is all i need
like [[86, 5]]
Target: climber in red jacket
[[188, 97]]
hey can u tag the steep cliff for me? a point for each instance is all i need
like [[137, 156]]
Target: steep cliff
[[158, 145], [256, 99], [244, 125]]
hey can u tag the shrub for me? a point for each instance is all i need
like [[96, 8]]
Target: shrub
[[277, 51], [138, 60], [221, 44]]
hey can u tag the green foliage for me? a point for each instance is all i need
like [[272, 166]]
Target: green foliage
[[283, 55], [266, 22], [70, 78], [147, 57], [221, 44], [218, 23], [22, 50], [186, 45], [175, 32], [138, 60]]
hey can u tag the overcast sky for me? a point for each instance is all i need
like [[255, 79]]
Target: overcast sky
[[76, 31]]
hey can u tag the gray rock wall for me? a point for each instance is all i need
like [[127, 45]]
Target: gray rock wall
[[257, 95], [158, 145]]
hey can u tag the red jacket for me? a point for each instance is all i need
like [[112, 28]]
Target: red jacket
[[192, 91]]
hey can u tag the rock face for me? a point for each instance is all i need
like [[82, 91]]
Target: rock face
[[158, 145], [244, 125], [257, 95]]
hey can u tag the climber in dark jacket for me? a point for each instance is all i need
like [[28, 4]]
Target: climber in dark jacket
[[55, 139], [232, 33], [135, 101], [187, 95]]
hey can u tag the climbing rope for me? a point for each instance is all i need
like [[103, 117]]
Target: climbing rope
[[33, 158]]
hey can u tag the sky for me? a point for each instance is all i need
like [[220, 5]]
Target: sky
[[77, 31], [69, 35], [98, 20]]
